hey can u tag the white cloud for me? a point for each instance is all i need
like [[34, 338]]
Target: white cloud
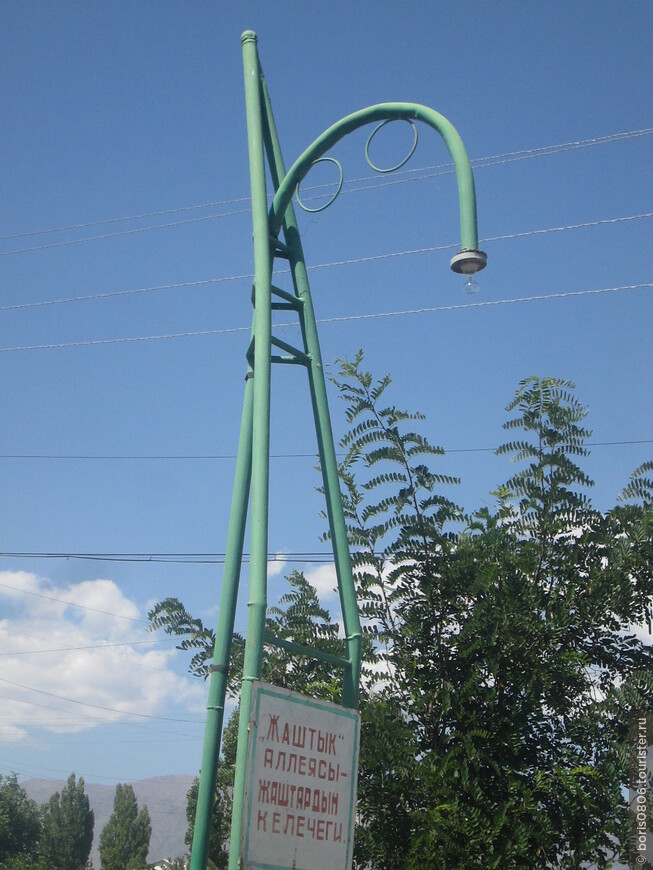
[[324, 579], [11, 734], [276, 565], [71, 651]]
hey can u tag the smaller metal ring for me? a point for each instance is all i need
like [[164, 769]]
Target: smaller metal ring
[[375, 131], [335, 195]]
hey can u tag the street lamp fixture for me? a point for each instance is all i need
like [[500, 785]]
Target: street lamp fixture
[[468, 262], [252, 464]]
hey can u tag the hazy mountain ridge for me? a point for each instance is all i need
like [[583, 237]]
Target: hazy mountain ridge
[[165, 797]]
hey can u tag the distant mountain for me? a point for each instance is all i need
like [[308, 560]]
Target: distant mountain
[[165, 797]]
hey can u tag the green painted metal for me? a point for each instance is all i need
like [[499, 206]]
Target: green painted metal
[[401, 162], [317, 385], [385, 112], [257, 604], [298, 355], [335, 195], [223, 635], [252, 466], [306, 651]]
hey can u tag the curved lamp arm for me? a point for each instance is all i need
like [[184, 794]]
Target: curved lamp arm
[[470, 259]]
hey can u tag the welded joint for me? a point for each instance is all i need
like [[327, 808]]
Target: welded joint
[[299, 355], [357, 635], [249, 353], [295, 301], [289, 361], [279, 249], [276, 242]]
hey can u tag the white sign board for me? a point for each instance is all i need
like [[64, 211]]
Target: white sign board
[[302, 768]]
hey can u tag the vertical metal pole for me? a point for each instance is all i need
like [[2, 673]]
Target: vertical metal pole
[[257, 603], [322, 419], [223, 636]]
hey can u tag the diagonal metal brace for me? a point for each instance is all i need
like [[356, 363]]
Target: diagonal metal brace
[[298, 355], [306, 651]]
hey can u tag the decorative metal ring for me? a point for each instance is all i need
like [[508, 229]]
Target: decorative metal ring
[[335, 195], [375, 131]]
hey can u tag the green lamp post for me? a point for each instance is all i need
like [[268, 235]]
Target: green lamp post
[[252, 465]]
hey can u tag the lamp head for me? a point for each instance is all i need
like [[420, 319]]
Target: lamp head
[[468, 262]]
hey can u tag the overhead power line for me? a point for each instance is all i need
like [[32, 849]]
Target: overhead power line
[[91, 648], [125, 218], [114, 293], [96, 706], [333, 264], [232, 456], [97, 651], [96, 342], [134, 557], [319, 558], [478, 163], [71, 603], [118, 233], [90, 718]]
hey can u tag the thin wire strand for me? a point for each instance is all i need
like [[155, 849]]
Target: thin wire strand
[[141, 726], [132, 217], [114, 293], [166, 558], [99, 719], [208, 217], [325, 320], [72, 603], [435, 248], [91, 648], [94, 650], [333, 264], [97, 706], [485, 304], [151, 456], [232, 456], [273, 557], [541, 232], [323, 557], [479, 163]]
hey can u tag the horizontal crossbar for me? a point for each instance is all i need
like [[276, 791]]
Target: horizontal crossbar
[[295, 301], [293, 351]]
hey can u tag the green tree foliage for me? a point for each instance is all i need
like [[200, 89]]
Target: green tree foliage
[[500, 664], [171, 615], [125, 839], [505, 641], [67, 828], [299, 617], [221, 819], [20, 825]]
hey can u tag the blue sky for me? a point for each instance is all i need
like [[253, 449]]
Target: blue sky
[[125, 169]]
